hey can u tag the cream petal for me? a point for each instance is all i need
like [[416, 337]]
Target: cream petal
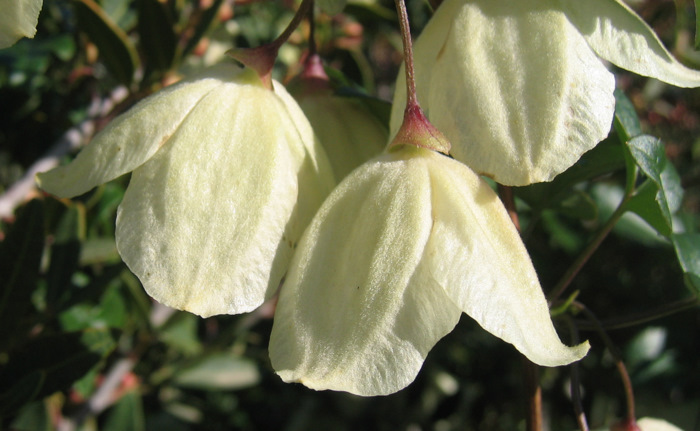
[[316, 174], [518, 104], [204, 222], [134, 137], [18, 19], [353, 314], [620, 36], [349, 133], [476, 255], [653, 424]]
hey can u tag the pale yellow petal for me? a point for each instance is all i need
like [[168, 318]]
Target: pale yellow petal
[[477, 256], [353, 314], [204, 222], [134, 137], [654, 424], [518, 104], [349, 133], [315, 172], [18, 19], [620, 36]]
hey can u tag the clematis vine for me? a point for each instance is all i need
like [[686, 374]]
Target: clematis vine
[[528, 77], [226, 174], [17, 20]]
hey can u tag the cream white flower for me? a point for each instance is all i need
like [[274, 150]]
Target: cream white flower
[[403, 246], [517, 86], [350, 135], [17, 20], [226, 176]]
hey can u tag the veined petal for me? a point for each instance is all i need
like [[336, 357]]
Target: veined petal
[[477, 256], [518, 104], [134, 137], [204, 222], [18, 19], [315, 172], [353, 314], [350, 135], [620, 36]]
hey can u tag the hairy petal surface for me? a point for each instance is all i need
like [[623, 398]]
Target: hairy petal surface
[[349, 133], [210, 221], [354, 313], [517, 104], [619, 35], [18, 19], [134, 137], [477, 256]]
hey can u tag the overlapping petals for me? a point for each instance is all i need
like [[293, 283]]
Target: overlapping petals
[[517, 87], [226, 175], [403, 246]]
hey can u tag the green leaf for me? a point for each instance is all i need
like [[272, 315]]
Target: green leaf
[[156, 35], [52, 362], [207, 18], [116, 50], [645, 205], [697, 24], [687, 247], [649, 153], [219, 372], [33, 417], [331, 7], [606, 157], [180, 332], [65, 254], [127, 414], [626, 122], [20, 257]]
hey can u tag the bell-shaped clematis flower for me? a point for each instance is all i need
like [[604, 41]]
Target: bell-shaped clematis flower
[[18, 19], [349, 132], [226, 174], [518, 87], [399, 250]]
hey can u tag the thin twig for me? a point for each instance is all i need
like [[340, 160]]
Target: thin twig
[[576, 397], [587, 252], [619, 363], [643, 317]]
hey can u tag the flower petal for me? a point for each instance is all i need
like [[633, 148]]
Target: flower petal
[[349, 133], [18, 19], [518, 104], [477, 256], [205, 223], [134, 137], [620, 36], [654, 424], [353, 314]]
